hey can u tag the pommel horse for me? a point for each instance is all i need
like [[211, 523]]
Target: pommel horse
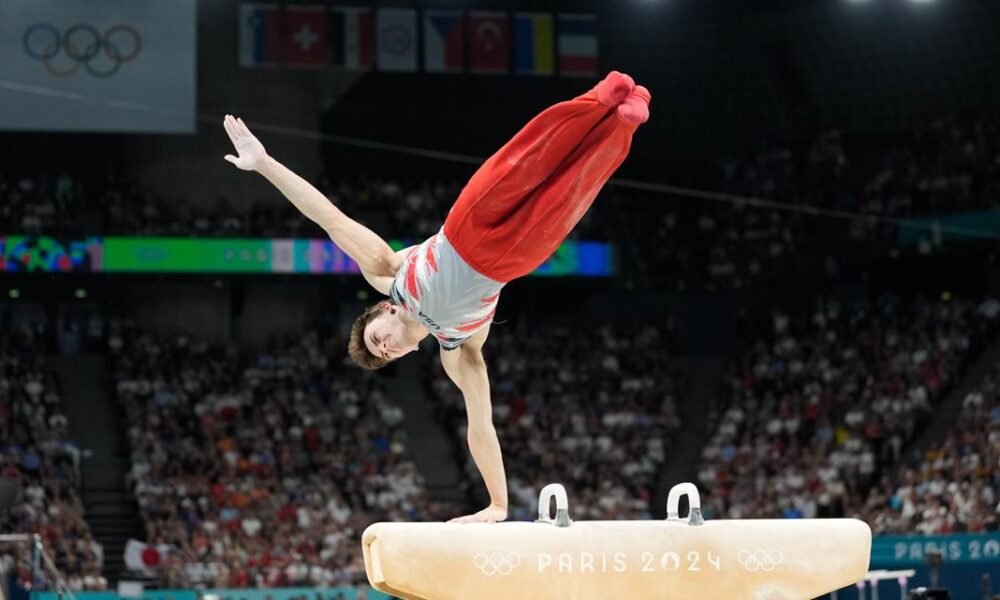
[[675, 559]]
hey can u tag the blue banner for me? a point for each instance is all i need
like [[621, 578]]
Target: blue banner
[[907, 551], [166, 595], [956, 227], [337, 593], [966, 557]]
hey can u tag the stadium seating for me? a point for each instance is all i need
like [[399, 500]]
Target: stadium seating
[[37, 451]]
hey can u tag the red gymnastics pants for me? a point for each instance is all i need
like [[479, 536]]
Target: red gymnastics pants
[[523, 201]]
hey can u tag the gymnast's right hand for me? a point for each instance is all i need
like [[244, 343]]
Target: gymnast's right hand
[[251, 151]]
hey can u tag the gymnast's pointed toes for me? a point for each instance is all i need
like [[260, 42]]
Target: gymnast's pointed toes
[[635, 108], [614, 89], [642, 92]]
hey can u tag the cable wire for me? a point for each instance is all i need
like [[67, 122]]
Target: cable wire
[[453, 157]]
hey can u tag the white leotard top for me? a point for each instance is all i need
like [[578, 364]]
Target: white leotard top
[[439, 289]]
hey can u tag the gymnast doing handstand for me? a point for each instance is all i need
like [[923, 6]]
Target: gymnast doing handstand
[[513, 214]]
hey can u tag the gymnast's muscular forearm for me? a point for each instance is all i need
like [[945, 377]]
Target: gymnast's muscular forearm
[[367, 249], [485, 448], [467, 368]]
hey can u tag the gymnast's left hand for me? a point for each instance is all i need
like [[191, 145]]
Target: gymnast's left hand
[[251, 151], [490, 514]]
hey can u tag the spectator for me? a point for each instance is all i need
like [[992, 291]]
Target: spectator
[[38, 451], [261, 468], [824, 405]]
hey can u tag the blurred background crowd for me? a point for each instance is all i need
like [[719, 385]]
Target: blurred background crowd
[[260, 465], [800, 312]]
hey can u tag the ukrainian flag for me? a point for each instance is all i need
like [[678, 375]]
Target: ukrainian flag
[[534, 44]]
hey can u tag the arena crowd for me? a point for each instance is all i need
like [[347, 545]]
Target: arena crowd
[[261, 467], [37, 452], [822, 408]]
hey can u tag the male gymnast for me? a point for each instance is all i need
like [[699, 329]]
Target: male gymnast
[[513, 214]]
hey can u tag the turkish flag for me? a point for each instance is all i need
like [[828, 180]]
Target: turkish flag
[[305, 36], [489, 42]]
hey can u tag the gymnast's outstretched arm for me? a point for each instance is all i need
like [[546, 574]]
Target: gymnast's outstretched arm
[[467, 368], [372, 253]]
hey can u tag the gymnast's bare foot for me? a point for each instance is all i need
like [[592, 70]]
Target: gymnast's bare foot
[[614, 89], [490, 514]]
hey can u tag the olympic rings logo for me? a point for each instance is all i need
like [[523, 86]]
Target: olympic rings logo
[[759, 560], [496, 563], [102, 55]]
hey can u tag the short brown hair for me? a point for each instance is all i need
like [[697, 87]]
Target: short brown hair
[[356, 346]]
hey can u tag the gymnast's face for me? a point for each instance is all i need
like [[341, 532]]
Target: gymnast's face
[[385, 335]]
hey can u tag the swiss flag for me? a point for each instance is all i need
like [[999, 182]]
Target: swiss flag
[[305, 36], [489, 42]]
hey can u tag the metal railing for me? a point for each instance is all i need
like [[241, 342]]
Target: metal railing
[[43, 568]]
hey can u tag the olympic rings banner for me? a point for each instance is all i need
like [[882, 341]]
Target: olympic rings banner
[[41, 254], [98, 65]]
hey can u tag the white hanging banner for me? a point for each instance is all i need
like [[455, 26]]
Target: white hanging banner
[[99, 65]]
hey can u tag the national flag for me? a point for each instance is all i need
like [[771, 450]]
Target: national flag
[[144, 558], [352, 37], [578, 45], [260, 34], [534, 39], [396, 36], [489, 42], [305, 35], [444, 41]]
